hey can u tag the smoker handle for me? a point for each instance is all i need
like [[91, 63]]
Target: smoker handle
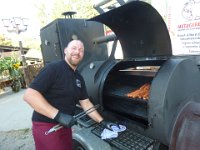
[[103, 39]]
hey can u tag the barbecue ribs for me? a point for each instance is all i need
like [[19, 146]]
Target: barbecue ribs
[[142, 92]]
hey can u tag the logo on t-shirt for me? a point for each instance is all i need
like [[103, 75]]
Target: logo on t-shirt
[[78, 83]]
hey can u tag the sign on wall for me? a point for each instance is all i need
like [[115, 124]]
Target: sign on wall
[[184, 26]]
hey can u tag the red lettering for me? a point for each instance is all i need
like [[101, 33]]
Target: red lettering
[[189, 25]]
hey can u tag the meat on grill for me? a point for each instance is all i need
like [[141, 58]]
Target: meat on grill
[[142, 92]]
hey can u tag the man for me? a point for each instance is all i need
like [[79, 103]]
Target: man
[[53, 95]]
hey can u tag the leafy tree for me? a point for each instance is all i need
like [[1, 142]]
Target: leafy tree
[[42, 14], [58, 9], [46, 15], [85, 9]]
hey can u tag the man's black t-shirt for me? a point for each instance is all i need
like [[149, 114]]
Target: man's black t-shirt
[[61, 86]]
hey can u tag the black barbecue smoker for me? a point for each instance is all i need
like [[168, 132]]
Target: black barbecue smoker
[[167, 116], [56, 35]]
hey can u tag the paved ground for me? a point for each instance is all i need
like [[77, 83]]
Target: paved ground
[[15, 122], [14, 112]]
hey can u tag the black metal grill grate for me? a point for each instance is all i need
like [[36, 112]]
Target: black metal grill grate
[[127, 140]]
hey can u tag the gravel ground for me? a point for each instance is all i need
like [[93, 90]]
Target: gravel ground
[[16, 140]]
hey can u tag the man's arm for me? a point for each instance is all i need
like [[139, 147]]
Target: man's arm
[[39, 103], [86, 104]]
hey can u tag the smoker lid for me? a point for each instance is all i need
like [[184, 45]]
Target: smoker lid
[[139, 28]]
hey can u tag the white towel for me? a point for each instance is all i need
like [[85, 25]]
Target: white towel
[[108, 134], [121, 128]]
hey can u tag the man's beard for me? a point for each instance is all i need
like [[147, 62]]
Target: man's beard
[[74, 62]]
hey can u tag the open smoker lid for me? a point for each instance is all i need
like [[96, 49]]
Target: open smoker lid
[[139, 28]]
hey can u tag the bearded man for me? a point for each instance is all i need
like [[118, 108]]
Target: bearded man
[[53, 95]]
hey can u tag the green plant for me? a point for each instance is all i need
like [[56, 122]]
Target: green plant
[[2, 65], [12, 65]]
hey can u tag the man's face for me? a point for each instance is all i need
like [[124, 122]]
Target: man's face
[[74, 53]]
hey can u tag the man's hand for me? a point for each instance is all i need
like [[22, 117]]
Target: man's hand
[[65, 119], [107, 124]]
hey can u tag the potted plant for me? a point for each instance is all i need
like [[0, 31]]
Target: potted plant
[[13, 66]]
